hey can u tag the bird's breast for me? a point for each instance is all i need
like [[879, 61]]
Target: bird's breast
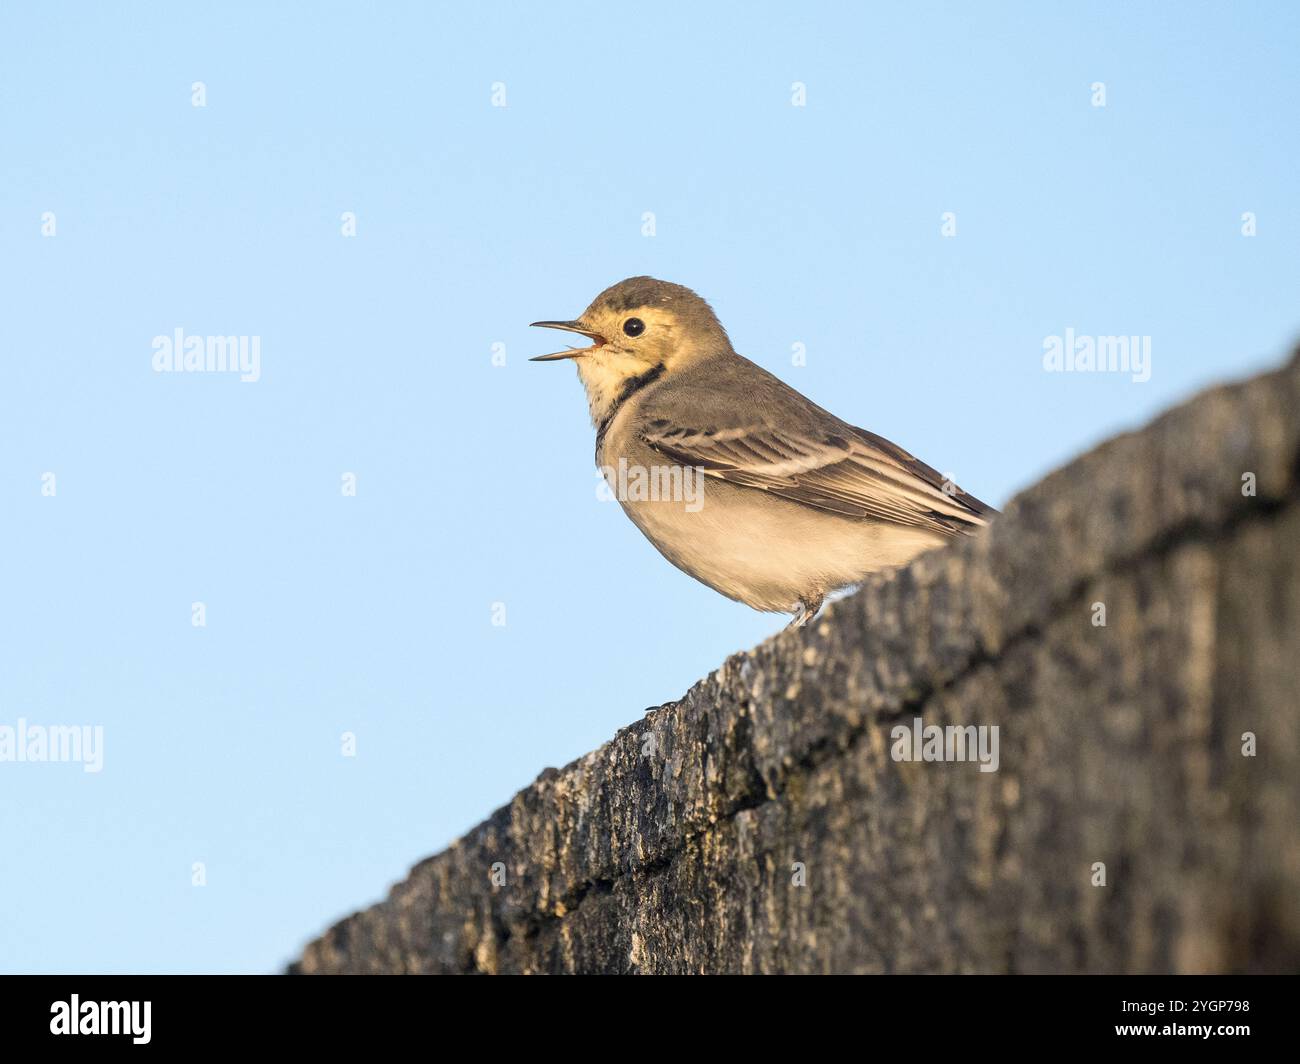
[[749, 545]]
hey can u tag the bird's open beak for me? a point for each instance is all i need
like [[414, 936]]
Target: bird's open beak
[[572, 352]]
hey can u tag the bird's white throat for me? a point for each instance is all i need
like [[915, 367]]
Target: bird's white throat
[[609, 382]]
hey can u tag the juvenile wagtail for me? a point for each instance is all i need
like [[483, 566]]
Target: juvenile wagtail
[[796, 503]]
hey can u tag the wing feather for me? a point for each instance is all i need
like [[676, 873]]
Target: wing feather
[[855, 473]]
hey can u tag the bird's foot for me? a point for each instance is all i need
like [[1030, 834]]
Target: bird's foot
[[806, 611]]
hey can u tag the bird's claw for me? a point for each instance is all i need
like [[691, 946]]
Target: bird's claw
[[805, 612]]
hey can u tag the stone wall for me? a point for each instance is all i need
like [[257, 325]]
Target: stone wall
[[761, 824]]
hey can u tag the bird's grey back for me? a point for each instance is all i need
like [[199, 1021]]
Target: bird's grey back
[[713, 386]]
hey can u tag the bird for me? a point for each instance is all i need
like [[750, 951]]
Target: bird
[[792, 505]]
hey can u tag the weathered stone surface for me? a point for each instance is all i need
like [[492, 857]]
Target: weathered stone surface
[[671, 848]]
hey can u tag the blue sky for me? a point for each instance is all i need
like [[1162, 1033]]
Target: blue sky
[[817, 225]]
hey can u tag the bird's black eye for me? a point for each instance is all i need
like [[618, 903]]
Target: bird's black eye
[[634, 326]]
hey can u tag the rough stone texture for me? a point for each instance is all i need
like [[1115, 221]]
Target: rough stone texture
[[670, 849]]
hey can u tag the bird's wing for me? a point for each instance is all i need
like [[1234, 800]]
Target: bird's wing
[[844, 470]]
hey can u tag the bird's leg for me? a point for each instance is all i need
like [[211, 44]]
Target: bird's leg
[[806, 612]]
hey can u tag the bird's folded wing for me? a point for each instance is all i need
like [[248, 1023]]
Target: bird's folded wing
[[854, 473]]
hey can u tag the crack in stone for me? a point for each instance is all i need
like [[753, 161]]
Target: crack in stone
[[629, 827], [822, 751]]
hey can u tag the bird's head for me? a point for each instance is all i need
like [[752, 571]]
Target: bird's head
[[638, 327], [641, 322]]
